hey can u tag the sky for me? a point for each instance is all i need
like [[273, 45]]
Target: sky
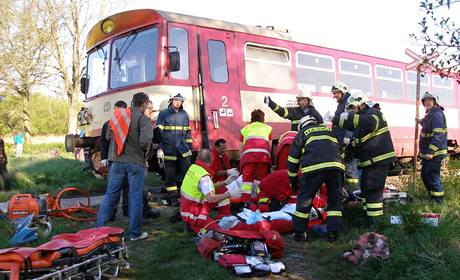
[[378, 28]]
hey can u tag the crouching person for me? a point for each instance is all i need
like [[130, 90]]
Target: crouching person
[[316, 151], [199, 195]]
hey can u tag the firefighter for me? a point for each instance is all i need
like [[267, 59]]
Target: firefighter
[[374, 150], [340, 92], [255, 156], [316, 151], [433, 145], [175, 144], [305, 108]]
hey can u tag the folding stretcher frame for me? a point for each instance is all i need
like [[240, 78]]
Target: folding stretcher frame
[[88, 254]]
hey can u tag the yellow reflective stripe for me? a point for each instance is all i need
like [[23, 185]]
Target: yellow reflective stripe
[[160, 127], [264, 200], [355, 120], [440, 152], [292, 174], [351, 180], [374, 205], [285, 112], [377, 122], [276, 108], [427, 135], [170, 158], [246, 187], [321, 137], [295, 121], [186, 154], [375, 213], [223, 202], [323, 165], [439, 130], [301, 215], [373, 134], [437, 193], [341, 121], [334, 213], [189, 140], [293, 160], [377, 159], [176, 127], [172, 188], [433, 147]]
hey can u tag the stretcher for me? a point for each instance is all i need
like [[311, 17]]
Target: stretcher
[[98, 253]]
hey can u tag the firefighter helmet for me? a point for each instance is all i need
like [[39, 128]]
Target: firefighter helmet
[[177, 96], [304, 93], [339, 86], [357, 99], [433, 95], [307, 120]]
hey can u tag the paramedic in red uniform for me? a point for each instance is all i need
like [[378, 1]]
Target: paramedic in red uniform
[[282, 150], [255, 156], [199, 195], [221, 163]]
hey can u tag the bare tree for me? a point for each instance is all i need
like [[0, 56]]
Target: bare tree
[[438, 33], [23, 54], [67, 23]]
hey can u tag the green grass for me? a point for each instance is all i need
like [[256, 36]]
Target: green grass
[[38, 171]]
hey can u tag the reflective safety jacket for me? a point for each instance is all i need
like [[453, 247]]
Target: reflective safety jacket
[[340, 132], [190, 186], [294, 114], [433, 137], [373, 144], [119, 123], [176, 135], [256, 138], [314, 149]]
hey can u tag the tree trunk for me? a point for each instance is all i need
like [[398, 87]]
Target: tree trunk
[[25, 117], [73, 111]]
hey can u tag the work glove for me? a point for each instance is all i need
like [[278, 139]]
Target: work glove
[[104, 163], [346, 140], [160, 154], [235, 192], [233, 172], [328, 116], [344, 116], [230, 179], [267, 100]]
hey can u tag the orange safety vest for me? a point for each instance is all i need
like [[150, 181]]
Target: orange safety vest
[[119, 123]]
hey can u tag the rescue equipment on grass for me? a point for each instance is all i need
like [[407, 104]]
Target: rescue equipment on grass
[[88, 254], [369, 245]]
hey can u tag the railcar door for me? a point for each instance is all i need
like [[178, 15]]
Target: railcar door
[[219, 77]]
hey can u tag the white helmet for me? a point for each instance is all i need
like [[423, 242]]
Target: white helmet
[[177, 96], [357, 98], [305, 121], [304, 93], [339, 86], [433, 95]]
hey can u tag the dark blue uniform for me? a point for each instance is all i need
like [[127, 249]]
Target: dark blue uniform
[[375, 152], [316, 151], [294, 114], [176, 143], [433, 141]]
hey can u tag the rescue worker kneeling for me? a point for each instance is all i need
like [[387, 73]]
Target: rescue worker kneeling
[[315, 149], [199, 195]]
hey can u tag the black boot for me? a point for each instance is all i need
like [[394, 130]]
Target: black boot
[[332, 236], [300, 236]]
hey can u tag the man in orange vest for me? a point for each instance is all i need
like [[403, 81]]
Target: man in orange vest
[[130, 136], [255, 157]]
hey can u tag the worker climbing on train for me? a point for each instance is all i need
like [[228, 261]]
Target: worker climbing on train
[[175, 144], [433, 145], [305, 108], [374, 149], [255, 159], [316, 151]]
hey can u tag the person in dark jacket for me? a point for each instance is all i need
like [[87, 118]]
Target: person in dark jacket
[[340, 92], [374, 150], [433, 145], [3, 170], [316, 151], [305, 108], [176, 143]]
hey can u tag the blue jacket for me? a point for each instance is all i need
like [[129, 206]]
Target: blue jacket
[[340, 133], [433, 138], [176, 135]]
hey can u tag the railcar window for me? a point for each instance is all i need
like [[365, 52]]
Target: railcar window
[[443, 87], [178, 37], [412, 84], [356, 74], [98, 70], [268, 67], [389, 82], [218, 61], [315, 72], [134, 58]]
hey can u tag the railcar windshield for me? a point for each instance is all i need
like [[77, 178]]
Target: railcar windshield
[[98, 70]]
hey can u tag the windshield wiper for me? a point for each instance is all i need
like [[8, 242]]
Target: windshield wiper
[[103, 56], [128, 42]]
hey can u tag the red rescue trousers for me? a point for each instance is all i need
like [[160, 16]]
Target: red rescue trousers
[[252, 171]]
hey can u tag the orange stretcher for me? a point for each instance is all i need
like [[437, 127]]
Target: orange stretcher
[[91, 253]]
